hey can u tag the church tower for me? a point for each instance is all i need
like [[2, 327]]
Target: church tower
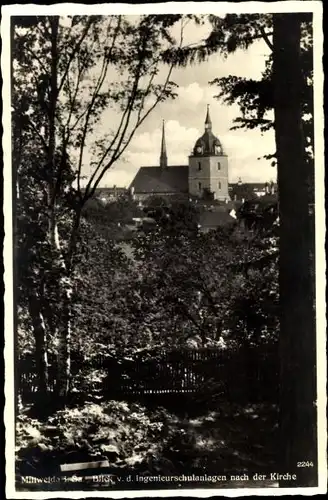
[[208, 166], [163, 156]]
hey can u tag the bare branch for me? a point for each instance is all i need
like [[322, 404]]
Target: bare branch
[[98, 86], [79, 79], [88, 115], [74, 52], [90, 190], [124, 120], [141, 120], [72, 100]]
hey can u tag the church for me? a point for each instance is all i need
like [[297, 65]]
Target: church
[[205, 176]]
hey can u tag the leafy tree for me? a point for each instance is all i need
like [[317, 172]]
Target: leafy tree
[[260, 215], [298, 342], [156, 202], [286, 89], [242, 192], [102, 272], [254, 97], [66, 72], [111, 217], [195, 283]]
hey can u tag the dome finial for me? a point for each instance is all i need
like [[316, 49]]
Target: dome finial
[[208, 122]]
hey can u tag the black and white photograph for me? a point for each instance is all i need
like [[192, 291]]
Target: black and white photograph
[[164, 249]]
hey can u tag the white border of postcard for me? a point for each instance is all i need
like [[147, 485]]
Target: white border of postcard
[[168, 8]]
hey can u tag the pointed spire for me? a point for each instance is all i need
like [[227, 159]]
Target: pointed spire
[[208, 122], [163, 157]]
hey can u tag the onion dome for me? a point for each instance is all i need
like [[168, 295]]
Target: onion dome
[[208, 144]]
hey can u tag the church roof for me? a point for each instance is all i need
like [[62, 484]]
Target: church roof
[[173, 179], [207, 142]]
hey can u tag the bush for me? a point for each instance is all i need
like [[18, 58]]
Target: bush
[[125, 434]]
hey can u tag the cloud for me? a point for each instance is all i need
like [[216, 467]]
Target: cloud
[[245, 150], [179, 141], [119, 177], [195, 94], [242, 147], [251, 170], [185, 116]]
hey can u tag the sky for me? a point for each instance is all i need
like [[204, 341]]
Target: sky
[[184, 121]]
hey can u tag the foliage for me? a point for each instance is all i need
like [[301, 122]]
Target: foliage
[[125, 434], [66, 72], [111, 218], [297, 316], [138, 439], [100, 264], [260, 215], [254, 97], [156, 202], [190, 285], [85, 65], [178, 285], [173, 289]]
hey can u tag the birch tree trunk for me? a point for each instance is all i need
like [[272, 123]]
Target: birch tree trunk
[[40, 334], [297, 332], [64, 339], [61, 272]]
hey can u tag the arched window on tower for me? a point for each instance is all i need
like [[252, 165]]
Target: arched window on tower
[[199, 165], [200, 186], [219, 185], [219, 165]]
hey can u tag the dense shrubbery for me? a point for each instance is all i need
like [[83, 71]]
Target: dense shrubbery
[[134, 438], [123, 433], [172, 290]]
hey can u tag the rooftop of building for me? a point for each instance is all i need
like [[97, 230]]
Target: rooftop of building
[[155, 179]]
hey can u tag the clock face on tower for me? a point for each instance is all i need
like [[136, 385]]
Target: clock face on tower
[[199, 149], [218, 150]]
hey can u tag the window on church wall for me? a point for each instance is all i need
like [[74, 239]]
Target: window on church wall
[[200, 186], [219, 166], [199, 165], [219, 185]]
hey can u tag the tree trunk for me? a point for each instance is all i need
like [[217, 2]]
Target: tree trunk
[[61, 272], [41, 353], [64, 290], [297, 332], [64, 341]]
